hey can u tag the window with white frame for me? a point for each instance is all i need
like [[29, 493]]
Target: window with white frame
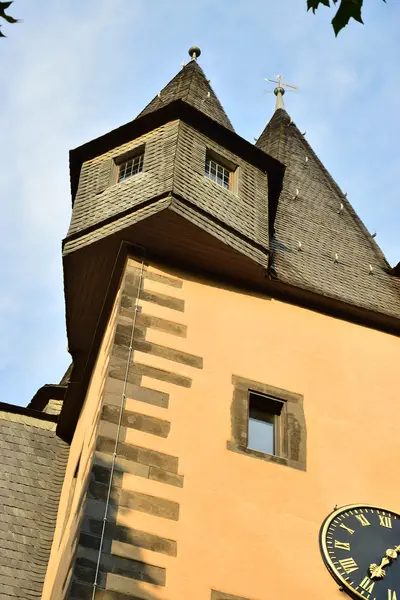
[[130, 167], [222, 174]]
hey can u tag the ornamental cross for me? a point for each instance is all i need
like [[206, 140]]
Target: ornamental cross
[[280, 89]]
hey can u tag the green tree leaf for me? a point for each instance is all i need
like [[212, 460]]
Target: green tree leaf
[[314, 4], [3, 7], [348, 9], [8, 18]]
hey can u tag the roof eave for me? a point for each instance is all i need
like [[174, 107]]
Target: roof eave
[[46, 393], [176, 110], [28, 412], [270, 287]]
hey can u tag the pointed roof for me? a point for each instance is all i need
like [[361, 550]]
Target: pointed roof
[[319, 242], [191, 86]]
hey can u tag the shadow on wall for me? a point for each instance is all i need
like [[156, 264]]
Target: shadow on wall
[[103, 555], [107, 564], [115, 553]]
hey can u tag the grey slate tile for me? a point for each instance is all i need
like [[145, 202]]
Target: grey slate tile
[[32, 463], [315, 219], [191, 85]]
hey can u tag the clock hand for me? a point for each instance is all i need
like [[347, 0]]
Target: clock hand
[[377, 571]]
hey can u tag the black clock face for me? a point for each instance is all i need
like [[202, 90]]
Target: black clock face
[[360, 546]]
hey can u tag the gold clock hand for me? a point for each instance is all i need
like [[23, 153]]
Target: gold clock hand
[[393, 553], [377, 571]]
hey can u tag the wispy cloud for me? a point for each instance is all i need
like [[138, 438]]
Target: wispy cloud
[[48, 91], [74, 70]]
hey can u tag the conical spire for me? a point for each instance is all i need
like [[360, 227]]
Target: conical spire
[[274, 137], [191, 86], [319, 242]]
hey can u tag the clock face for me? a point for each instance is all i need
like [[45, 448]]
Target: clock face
[[360, 545]]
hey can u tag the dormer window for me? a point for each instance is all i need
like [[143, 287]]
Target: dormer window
[[218, 170], [131, 166]]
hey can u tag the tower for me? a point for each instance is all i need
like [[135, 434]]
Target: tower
[[232, 324]]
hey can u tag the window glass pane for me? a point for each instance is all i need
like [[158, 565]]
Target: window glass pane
[[131, 167], [261, 434], [217, 173]]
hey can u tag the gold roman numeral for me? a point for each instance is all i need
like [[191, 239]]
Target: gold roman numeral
[[363, 520], [342, 545], [385, 521], [392, 595], [343, 526], [349, 565], [367, 585]]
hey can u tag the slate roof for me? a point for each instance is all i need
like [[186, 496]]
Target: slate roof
[[309, 211], [191, 86], [32, 465]]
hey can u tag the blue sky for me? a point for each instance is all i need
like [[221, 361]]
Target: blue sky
[[74, 70]]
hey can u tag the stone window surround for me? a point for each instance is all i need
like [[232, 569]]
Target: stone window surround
[[292, 421]]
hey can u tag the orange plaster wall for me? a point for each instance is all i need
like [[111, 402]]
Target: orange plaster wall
[[249, 527], [81, 451]]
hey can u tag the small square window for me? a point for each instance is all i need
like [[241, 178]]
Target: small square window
[[222, 174], [130, 167], [264, 424], [268, 423]]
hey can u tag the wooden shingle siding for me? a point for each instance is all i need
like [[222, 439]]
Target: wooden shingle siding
[[99, 197], [180, 171], [246, 211]]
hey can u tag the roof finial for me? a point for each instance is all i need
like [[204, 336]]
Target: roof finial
[[194, 52], [280, 90]]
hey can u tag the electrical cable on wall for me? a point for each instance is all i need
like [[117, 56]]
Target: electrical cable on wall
[[122, 406]]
